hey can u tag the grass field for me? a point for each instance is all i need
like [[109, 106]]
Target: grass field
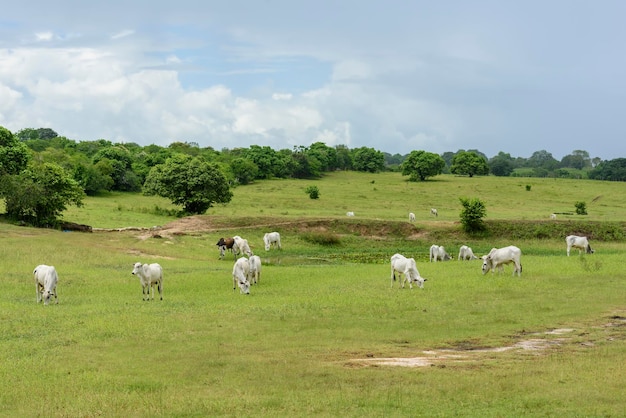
[[310, 339]]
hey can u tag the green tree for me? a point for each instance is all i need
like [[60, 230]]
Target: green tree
[[244, 171], [613, 170], [313, 192], [469, 163], [419, 165], [367, 159], [121, 160], [190, 182], [14, 155], [39, 194], [501, 165], [472, 214]]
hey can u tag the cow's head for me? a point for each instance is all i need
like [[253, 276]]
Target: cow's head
[[486, 263], [46, 296], [221, 242], [136, 268], [244, 286]]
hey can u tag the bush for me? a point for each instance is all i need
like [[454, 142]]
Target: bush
[[472, 214], [321, 238], [581, 208], [313, 192]]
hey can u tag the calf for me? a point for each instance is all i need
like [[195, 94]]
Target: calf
[[581, 243], [271, 238], [241, 274], [438, 253], [149, 276], [466, 253], [255, 269], [46, 279], [434, 212], [405, 266], [241, 246], [498, 257], [411, 217]]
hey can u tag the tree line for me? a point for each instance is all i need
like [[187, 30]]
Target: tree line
[[41, 172]]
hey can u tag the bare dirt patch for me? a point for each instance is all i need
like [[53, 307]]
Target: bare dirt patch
[[539, 344]]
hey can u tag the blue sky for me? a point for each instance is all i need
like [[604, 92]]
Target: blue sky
[[394, 75]]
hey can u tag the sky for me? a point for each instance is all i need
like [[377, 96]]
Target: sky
[[394, 75]]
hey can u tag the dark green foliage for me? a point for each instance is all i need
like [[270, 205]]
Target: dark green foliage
[[367, 159], [420, 165], [613, 170], [190, 182], [244, 171], [14, 155], [581, 208], [38, 195], [472, 215], [469, 164], [313, 192]]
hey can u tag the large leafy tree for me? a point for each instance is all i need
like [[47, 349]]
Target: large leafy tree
[[368, 159], [190, 182], [470, 164], [14, 155], [613, 170], [40, 193], [501, 165], [419, 165]]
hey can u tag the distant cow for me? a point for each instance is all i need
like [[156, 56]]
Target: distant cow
[[553, 216], [350, 214], [434, 212], [255, 269], [241, 273], [466, 253], [581, 243], [438, 253], [405, 266], [241, 246], [411, 217], [225, 244], [46, 279], [271, 239], [498, 257], [149, 276]]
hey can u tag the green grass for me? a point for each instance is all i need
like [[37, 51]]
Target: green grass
[[293, 347]]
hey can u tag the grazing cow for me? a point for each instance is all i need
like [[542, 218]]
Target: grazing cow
[[46, 279], [241, 274], [255, 269], [225, 244], [498, 257], [581, 243], [466, 253], [405, 266], [411, 217], [553, 216], [437, 252], [149, 276], [271, 238], [350, 214], [241, 246], [434, 212]]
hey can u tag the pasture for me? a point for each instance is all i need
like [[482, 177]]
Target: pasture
[[316, 336]]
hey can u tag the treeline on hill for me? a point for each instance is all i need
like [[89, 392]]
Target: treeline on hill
[[43, 172]]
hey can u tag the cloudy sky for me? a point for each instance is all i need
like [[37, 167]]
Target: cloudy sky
[[394, 75]]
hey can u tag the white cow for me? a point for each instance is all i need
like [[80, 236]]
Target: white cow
[[581, 243], [438, 252], [149, 276], [498, 257], [255, 269], [241, 274], [411, 217], [46, 279], [553, 216], [434, 212], [271, 238], [350, 214], [241, 246], [405, 266], [466, 253]]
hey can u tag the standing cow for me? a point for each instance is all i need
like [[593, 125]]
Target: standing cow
[[255, 269], [46, 279], [241, 246], [466, 253], [241, 274], [411, 217], [272, 239], [581, 243], [225, 244], [149, 276], [438, 252], [407, 267], [498, 257]]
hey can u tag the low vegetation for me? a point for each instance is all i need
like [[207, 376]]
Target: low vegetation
[[317, 335]]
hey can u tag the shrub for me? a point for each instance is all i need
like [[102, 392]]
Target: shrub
[[472, 214], [581, 208], [313, 192], [321, 238]]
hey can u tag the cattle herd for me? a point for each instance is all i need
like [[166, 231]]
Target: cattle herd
[[247, 271]]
